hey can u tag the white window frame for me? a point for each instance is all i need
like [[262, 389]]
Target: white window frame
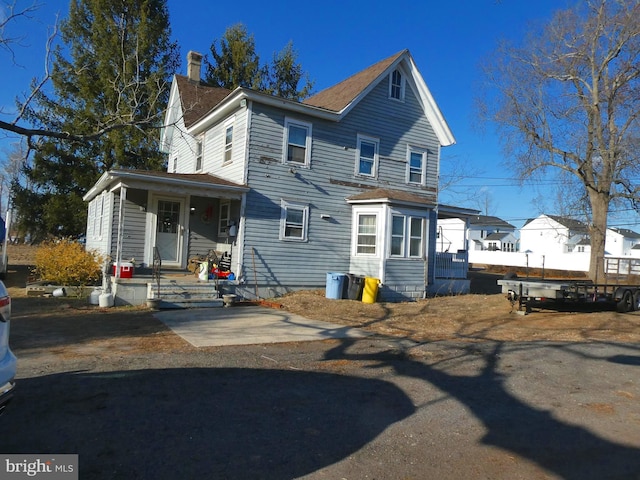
[[374, 168], [288, 123], [98, 216], [394, 87], [286, 206], [228, 145], [412, 149], [224, 216], [199, 153], [407, 236], [357, 243]]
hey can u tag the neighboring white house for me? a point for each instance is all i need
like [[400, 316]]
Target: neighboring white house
[[551, 234], [481, 227], [620, 242]]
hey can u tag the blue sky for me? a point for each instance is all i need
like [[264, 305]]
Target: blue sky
[[335, 39]]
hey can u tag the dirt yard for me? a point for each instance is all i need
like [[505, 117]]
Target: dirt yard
[[476, 317]]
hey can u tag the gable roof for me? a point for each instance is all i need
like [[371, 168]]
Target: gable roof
[[338, 97], [489, 221], [197, 98], [570, 223], [497, 236], [331, 104], [625, 232]]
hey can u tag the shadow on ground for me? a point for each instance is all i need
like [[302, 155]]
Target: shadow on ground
[[242, 423]]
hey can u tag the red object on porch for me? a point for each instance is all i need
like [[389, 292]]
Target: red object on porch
[[126, 269], [216, 272]]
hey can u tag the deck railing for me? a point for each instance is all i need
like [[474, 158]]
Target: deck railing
[[452, 265]]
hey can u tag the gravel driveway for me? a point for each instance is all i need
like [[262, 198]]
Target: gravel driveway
[[374, 408]]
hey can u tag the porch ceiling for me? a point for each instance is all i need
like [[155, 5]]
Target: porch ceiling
[[179, 183]]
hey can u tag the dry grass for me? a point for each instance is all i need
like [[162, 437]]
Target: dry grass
[[464, 317]]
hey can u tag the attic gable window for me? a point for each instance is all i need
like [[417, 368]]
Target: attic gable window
[[396, 85], [297, 146]]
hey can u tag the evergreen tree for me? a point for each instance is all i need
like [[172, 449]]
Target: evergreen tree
[[108, 97], [235, 64]]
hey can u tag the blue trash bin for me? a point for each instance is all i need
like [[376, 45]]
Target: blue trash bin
[[335, 285]]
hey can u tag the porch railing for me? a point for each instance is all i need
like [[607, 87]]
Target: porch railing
[[156, 269], [452, 265]]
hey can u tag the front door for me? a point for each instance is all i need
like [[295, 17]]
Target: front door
[[169, 231]]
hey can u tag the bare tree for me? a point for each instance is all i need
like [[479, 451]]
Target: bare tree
[[568, 100]]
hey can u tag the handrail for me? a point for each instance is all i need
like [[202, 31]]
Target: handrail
[[156, 268]]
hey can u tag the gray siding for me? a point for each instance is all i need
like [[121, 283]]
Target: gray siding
[[284, 265], [133, 237]]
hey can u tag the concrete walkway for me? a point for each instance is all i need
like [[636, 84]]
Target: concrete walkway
[[208, 327]]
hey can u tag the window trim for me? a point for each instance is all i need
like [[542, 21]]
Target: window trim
[[199, 153], [376, 155], [227, 147], [357, 244], [393, 86], [407, 235], [288, 122], [285, 205], [424, 153]]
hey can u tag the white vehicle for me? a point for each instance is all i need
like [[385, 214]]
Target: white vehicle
[[7, 358]]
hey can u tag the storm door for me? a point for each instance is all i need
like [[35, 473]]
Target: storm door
[[169, 231]]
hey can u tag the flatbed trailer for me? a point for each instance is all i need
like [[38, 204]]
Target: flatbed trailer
[[527, 292]]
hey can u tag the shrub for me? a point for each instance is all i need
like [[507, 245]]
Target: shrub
[[66, 262]]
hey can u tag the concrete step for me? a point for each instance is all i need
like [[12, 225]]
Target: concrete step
[[185, 295]]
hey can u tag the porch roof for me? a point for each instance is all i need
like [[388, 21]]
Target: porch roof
[[150, 180], [385, 195]]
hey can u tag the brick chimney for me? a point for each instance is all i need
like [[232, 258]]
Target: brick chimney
[[194, 62]]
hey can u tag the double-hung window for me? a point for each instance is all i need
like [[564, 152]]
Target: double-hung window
[[366, 238], [407, 236], [416, 165], [224, 218], [228, 144], [396, 85], [199, 154], [297, 147], [367, 156], [294, 221]]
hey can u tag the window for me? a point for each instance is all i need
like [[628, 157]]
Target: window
[[397, 235], [366, 238], [297, 142], [411, 243], [175, 164], [228, 144], [396, 85], [294, 221], [223, 218], [367, 156], [199, 154], [416, 165], [415, 236]]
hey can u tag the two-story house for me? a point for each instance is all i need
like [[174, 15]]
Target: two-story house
[[344, 181], [476, 232], [552, 234]]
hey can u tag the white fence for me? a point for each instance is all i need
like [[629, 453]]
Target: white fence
[[452, 265], [576, 261]]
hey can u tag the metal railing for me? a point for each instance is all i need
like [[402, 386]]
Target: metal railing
[[156, 269], [452, 265]]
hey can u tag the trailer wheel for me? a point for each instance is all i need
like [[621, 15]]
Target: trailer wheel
[[636, 300], [626, 303]]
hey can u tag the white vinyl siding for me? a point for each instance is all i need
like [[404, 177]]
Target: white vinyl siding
[[367, 156], [297, 146]]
